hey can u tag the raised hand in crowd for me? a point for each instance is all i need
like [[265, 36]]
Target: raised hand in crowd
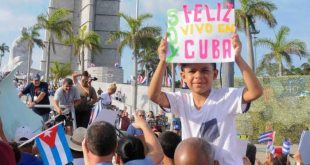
[[155, 151]]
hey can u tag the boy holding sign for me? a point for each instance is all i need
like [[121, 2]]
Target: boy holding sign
[[206, 112]]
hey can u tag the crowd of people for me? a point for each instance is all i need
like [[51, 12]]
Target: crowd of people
[[204, 134]]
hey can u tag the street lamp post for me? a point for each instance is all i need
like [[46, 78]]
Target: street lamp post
[[134, 83], [228, 68]]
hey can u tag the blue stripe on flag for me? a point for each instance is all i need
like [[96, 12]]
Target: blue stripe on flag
[[265, 136], [41, 151], [286, 147], [264, 133], [270, 148], [63, 139], [56, 155]]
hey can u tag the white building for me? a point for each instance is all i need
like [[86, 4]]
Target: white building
[[99, 16]]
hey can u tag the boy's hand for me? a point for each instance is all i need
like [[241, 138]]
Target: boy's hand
[[236, 44], [163, 48]]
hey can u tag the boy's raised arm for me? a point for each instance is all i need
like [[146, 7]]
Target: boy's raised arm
[[154, 91], [253, 88]]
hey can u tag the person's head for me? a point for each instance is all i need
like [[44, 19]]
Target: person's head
[[169, 142], [101, 139], [67, 84], [130, 148], [251, 152], [125, 114], [85, 79], [22, 134], [141, 113], [194, 151], [112, 88], [199, 76], [150, 114], [121, 113], [36, 80]]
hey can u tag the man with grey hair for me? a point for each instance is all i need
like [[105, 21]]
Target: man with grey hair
[[194, 151], [135, 131]]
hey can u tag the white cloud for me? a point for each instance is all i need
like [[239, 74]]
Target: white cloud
[[12, 22]]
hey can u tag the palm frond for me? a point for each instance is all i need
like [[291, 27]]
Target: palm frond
[[265, 42]]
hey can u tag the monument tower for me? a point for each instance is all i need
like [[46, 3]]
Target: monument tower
[[99, 16]]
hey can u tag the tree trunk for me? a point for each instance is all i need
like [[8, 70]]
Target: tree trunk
[[82, 59], [29, 64], [173, 77], [47, 69], [134, 82], [250, 47], [280, 69], [228, 67]]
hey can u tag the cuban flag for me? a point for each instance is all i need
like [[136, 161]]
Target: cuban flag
[[53, 146], [266, 137], [286, 146], [270, 148]]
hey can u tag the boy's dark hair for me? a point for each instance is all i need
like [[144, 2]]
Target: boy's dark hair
[[183, 65], [130, 148], [101, 138], [67, 81], [169, 142], [251, 153], [27, 145]]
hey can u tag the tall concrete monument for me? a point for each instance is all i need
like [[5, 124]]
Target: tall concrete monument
[[99, 16]]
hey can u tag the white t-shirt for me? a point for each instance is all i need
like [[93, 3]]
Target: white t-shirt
[[105, 98], [215, 121]]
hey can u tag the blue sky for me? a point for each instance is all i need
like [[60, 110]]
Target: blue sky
[[14, 14]]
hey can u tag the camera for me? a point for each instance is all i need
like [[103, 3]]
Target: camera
[[93, 79]]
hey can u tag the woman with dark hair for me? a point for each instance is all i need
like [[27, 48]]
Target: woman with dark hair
[[130, 149]]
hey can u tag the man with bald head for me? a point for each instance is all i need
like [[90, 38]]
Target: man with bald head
[[194, 151]]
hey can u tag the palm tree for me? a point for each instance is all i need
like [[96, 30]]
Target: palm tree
[[136, 36], [245, 18], [60, 70], [89, 40], [282, 49], [57, 24], [31, 36], [3, 48]]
